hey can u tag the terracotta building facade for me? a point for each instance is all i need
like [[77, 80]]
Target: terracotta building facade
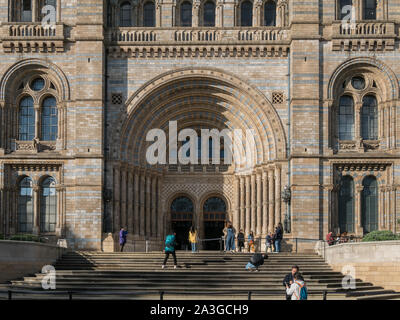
[[315, 81]]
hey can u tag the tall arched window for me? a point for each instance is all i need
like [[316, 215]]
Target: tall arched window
[[186, 14], [49, 119], [246, 14], [26, 12], [26, 131], [344, 8], [125, 15], [270, 13], [149, 14], [182, 219], [369, 204], [209, 14], [369, 118], [25, 205], [346, 118], [48, 206], [346, 205], [369, 9]]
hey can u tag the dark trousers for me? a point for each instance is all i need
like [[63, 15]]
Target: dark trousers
[[122, 246], [167, 253], [240, 245], [288, 297]]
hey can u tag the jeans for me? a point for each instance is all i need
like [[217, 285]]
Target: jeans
[[167, 253], [277, 245], [230, 243], [194, 247], [250, 266]]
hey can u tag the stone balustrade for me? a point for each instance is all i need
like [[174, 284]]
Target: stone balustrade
[[364, 29]]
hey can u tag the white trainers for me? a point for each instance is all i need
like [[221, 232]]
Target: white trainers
[[162, 267], [175, 267]]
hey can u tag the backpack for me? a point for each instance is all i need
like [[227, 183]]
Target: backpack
[[170, 242], [303, 291]]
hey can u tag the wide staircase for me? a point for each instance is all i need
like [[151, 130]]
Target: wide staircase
[[204, 275]]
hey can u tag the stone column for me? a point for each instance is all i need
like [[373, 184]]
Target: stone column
[[154, 207], [160, 216], [37, 121], [58, 10], [242, 203], [359, 228], [265, 202], [129, 199], [123, 198], [259, 205], [271, 200], [236, 209], [195, 13], [387, 208], [34, 10], [148, 205], [278, 195], [381, 208], [357, 126], [248, 212], [257, 5], [219, 13], [142, 189], [253, 204], [36, 209], [116, 211], [158, 13], [136, 203]]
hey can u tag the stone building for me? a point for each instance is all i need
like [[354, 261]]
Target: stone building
[[319, 90]]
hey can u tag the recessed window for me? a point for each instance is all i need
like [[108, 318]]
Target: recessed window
[[358, 83], [186, 14], [246, 14], [209, 14], [37, 84]]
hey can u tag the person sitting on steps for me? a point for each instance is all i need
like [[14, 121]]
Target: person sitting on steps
[[256, 260]]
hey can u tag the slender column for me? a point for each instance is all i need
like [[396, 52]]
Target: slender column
[[34, 10], [278, 217], [357, 125], [154, 207], [142, 189], [359, 228], [37, 121], [123, 198], [136, 204], [253, 203], [257, 13], [130, 198], [116, 213], [242, 203], [387, 208], [36, 206], [158, 13], [13, 214], [195, 13], [6, 210], [237, 203], [271, 197], [160, 216], [219, 13], [58, 10], [248, 213], [381, 207], [259, 204], [148, 204], [265, 202]]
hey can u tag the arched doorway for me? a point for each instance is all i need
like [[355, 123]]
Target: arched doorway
[[214, 217], [181, 220], [369, 204]]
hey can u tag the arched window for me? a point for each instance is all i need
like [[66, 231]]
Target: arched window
[[149, 14], [246, 14], [182, 219], [270, 13], [125, 15], [369, 118], [48, 206], [345, 9], [25, 206], [186, 14], [49, 119], [216, 205], [346, 205], [26, 12], [346, 118], [209, 14], [370, 9], [369, 204], [26, 131]]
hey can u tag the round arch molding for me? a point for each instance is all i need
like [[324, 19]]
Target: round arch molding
[[195, 96]]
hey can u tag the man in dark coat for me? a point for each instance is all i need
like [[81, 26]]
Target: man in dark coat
[[255, 261], [289, 279]]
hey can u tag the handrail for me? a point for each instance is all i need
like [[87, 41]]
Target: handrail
[[161, 294]]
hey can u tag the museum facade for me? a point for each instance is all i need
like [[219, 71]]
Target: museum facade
[[316, 85]]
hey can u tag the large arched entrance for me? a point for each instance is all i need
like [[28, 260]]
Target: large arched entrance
[[214, 217], [181, 220]]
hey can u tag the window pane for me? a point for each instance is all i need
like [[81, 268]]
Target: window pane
[[343, 12], [270, 13], [186, 14], [49, 119], [246, 14], [346, 118], [48, 206], [369, 118], [370, 9], [25, 206], [209, 14], [149, 14], [346, 205], [26, 130], [126, 15]]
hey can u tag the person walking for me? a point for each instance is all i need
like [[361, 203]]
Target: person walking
[[193, 239], [256, 260], [250, 240], [230, 238], [289, 279], [240, 240], [278, 237], [170, 244], [297, 290], [122, 238]]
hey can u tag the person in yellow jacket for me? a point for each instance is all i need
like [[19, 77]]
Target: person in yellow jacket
[[193, 239]]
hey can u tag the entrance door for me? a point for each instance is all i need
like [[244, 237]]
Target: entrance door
[[214, 216], [181, 221]]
